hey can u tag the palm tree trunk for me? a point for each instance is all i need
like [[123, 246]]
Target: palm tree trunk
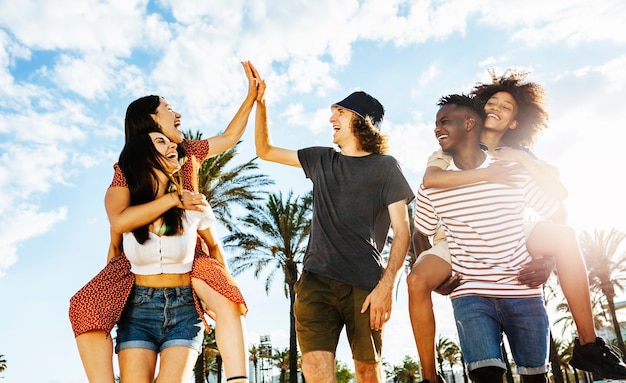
[[198, 369], [440, 363], [509, 373], [293, 346], [218, 359], [256, 372], [557, 374], [616, 326], [465, 377]]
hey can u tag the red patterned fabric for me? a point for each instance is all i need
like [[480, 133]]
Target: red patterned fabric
[[98, 305]]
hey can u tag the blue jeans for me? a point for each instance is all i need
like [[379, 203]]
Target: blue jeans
[[157, 318], [480, 322]]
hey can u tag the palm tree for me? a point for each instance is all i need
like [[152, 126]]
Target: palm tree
[[343, 374], [465, 377], [564, 351], [406, 372], [225, 188], [452, 355], [254, 355], [3, 363], [600, 315], [277, 238], [555, 360], [281, 361], [442, 344], [209, 361], [606, 268]]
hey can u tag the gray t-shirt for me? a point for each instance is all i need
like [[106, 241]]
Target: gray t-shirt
[[350, 220]]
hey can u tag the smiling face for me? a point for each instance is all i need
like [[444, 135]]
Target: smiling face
[[169, 121], [167, 149], [450, 127], [341, 119], [501, 112]]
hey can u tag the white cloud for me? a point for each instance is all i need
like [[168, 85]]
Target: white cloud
[[114, 26], [573, 22], [614, 75], [316, 122], [411, 142], [427, 76], [67, 122], [30, 169], [91, 76], [20, 223]]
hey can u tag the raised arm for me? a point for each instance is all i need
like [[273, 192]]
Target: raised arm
[[546, 175], [380, 299], [498, 172], [264, 148], [236, 127]]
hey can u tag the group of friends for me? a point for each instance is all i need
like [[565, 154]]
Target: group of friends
[[166, 268]]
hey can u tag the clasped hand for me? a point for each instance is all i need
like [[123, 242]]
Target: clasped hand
[[193, 200]]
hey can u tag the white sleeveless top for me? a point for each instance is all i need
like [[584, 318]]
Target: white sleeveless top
[[168, 254]]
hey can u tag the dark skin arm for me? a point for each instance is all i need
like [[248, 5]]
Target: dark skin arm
[[536, 272], [420, 242]]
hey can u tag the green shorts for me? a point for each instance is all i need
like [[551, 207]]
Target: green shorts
[[323, 307]]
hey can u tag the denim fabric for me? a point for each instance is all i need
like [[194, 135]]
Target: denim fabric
[[480, 322], [157, 318]]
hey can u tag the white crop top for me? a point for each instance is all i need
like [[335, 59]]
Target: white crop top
[[167, 254]]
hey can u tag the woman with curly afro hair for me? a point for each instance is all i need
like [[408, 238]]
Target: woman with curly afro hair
[[515, 114]]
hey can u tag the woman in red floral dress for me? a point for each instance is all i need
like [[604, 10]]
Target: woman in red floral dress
[[95, 308]]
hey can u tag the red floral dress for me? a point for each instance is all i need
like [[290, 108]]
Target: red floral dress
[[98, 305]]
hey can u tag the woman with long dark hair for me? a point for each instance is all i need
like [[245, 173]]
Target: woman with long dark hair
[[160, 318], [96, 308]]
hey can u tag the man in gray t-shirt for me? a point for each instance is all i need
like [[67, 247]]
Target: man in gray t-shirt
[[358, 194]]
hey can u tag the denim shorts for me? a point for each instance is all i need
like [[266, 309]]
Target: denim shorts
[[480, 322], [157, 318], [323, 307]]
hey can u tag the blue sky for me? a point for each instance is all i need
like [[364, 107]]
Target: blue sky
[[68, 70]]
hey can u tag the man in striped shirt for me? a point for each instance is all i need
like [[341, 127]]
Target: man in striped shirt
[[484, 226]]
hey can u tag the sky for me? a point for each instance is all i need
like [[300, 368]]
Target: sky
[[69, 69]]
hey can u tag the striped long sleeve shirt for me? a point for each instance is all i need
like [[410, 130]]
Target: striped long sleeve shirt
[[484, 225]]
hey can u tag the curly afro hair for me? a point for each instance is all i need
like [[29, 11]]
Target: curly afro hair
[[532, 116]]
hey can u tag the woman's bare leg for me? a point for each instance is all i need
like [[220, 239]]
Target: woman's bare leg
[[230, 329], [560, 242], [96, 352], [176, 364], [428, 272], [137, 365]]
